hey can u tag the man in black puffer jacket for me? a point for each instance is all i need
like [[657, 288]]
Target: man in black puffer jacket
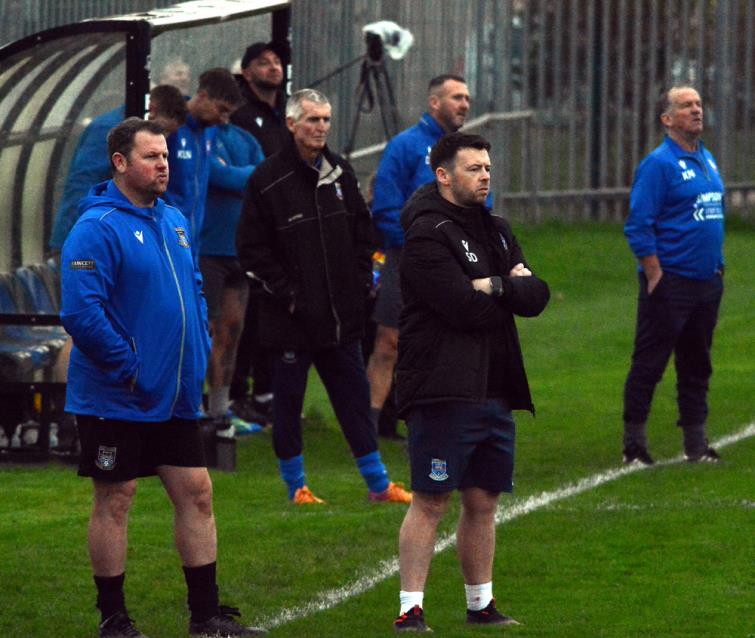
[[460, 371], [305, 235]]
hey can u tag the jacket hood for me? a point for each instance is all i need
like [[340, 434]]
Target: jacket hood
[[427, 200], [108, 194]]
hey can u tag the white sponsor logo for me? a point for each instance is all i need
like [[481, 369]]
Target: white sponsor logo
[[259, 121], [139, 235]]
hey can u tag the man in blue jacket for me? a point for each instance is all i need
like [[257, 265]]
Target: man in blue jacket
[[234, 156], [133, 304], [403, 168], [216, 98], [676, 230]]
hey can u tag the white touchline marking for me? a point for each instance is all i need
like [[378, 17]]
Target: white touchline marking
[[508, 512]]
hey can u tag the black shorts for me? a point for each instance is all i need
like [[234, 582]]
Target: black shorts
[[218, 274], [455, 445], [388, 304], [124, 450]]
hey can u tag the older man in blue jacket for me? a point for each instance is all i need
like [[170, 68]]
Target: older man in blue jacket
[[132, 302], [676, 231]]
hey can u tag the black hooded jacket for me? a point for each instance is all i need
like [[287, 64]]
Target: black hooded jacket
[[448, 330], [266, 124], [305, 236]]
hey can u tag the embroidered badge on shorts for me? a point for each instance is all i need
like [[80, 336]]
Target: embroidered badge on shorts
[[105, 458], [438, 470], [182, 241]]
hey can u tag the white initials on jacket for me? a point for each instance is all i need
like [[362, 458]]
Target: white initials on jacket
[[470, 256]]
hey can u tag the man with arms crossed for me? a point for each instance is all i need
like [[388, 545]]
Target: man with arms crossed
[[460, 371], [676, 230], [133, 304]]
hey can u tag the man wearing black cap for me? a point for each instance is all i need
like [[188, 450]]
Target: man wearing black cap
[[263, 115], [261, 82]]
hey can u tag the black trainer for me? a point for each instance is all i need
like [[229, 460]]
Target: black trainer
[[412, 620], [706, 455], [223, 625], [119, 625], [489, 616], [634, 453]]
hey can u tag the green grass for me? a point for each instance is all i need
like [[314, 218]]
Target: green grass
[[662, 552]]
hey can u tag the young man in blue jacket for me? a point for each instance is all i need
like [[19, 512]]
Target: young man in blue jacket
[[676, 231], [133, 304], [234, 156], [216, 98]]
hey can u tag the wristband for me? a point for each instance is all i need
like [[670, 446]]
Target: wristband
[[496, 286]]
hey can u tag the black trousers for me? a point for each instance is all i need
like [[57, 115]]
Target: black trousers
[[679, 316], [251, 357], [341, 370]]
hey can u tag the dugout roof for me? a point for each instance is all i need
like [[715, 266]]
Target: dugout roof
[[54, 82]]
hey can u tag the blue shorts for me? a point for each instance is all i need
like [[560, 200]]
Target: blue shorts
[[456, 445]]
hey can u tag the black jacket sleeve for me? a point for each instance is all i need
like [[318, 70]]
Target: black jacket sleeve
[[524, 296], [256, 246]]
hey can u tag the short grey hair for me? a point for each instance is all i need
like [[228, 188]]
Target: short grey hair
[[294, 108]]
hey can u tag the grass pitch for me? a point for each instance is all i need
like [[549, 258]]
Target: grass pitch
[[666, 551]]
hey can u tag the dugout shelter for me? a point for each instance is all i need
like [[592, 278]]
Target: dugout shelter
[[54, 82]]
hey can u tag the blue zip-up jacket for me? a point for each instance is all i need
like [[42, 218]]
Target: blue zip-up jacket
[[189, 157], [90, 165], [677, 211], [133, 304], [404, 167], [234, 156]]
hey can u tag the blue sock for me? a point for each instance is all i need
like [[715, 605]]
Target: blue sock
[[292, 471], [373, 471]]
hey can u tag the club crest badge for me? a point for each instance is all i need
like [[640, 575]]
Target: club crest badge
[[438, 470], [105, 458], [339, 191], [182, 241]]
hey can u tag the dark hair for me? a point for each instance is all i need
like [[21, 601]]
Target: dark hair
[[120, 139], [220, 84], [169, 102], [255, 50], [443, 153], [439, 80]]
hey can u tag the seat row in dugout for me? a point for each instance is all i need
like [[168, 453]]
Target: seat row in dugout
[[27, 350]]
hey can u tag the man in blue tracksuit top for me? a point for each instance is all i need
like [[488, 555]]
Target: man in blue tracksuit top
[[133, 304], [235, 155], [404, 167], [676, 231], [189, 148]]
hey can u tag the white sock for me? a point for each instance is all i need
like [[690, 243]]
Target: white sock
[[409, 599], [479, 596], [218, 401]]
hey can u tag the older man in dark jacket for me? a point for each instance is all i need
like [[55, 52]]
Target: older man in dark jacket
[[305, 237], [460, 370]]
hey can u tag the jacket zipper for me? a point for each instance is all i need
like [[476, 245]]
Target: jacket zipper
[[183, 324], [136, 376], [327, 270]]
